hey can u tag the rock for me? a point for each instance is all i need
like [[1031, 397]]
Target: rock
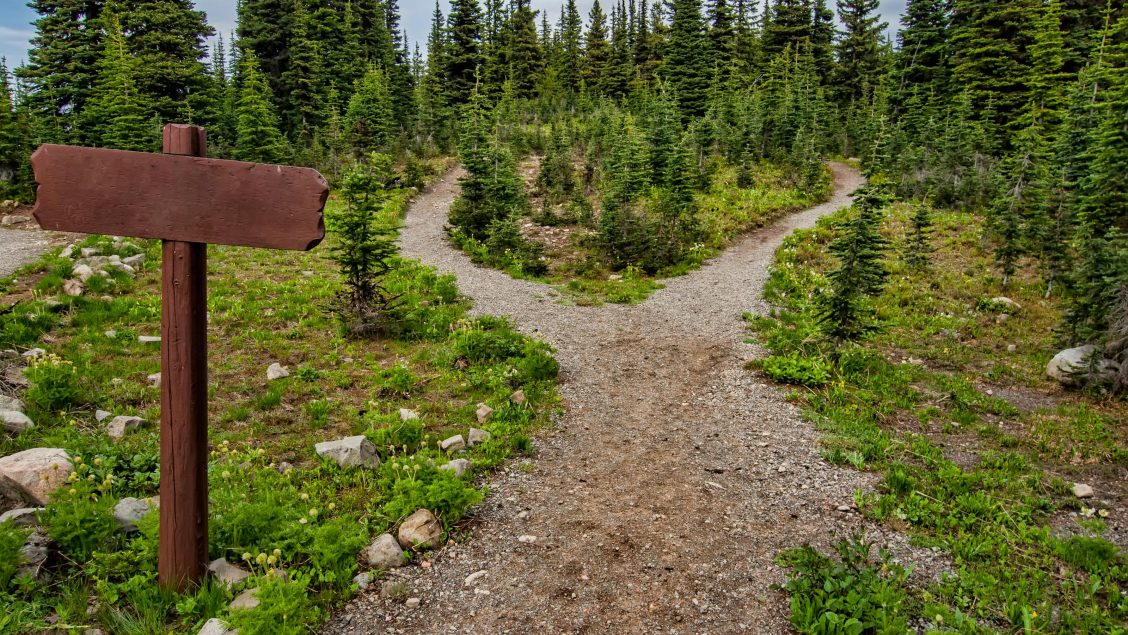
[[276, 371], [14, 219], [15, 421], [1011, 348], [123, 425], [1081, 490], [149, 339], [102, 415], [227, 573], [483, 413], [420, 530], [477, 436], [22, 517], [133, 261], [129, 511], [82, 273], [527, 539], [246, 600], [154, 380], [1002, 317], [411, 603], [89, 252], [285, 466], [350, 452], [215, 626], [111, 334], [1079, 367], [518, 397], [384, 553], [67, 252], [363, 580], [453, 444], [33, 555], [9, 353], [15, 377], [33, 353], [34, 474], [474, 577], [73, 288], [1007, 302], [459, 466], [407, 414], [11, 403]]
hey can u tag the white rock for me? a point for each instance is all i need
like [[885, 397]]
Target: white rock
[[34, 352], [14, 219], [384, 553], [133, 261], [227, 573], [276, 371], [483, 412], [363, 580], [1077, 367], [216, 626], [453, 444], [102, 415], [89, 252], [1081, 490], [149, 339], [527, 539], [477, 436], [22, 517], [459, 466], [73, 288], [246, 600], [1011, 348], [412, 603], [420, 530], [518, 397], [67, 252], [350, 452], [11, 403], [123, 425], [111, 334], [406, 414], [1007, 302], [154, 380], [34, 474], [129, 511], [82, 272], [474, 577], [15, 421]]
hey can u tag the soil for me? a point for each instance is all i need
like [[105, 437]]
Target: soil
[[670, 484]]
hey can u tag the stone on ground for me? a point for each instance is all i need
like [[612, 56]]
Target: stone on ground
[[22, 517], [129, 511], [123, 425], [1081, 490], [82, 273], [458, 466], [246, 600], [518, 397], [483, 413], [227, 573], [15, 421], [32, 475], [276, 371], [384, 553], [102, 415], [73, 288], [363, 580], [216, 626], [350, 452], [477, 436], [11, 403], [1007, 302], [1081, 366], [453, 444], [154, 380], [406, 414], [33, 555], [420, 530], [149, 339]]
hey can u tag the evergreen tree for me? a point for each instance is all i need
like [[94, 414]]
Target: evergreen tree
[[166, 37], [526, 63], [262, 30], [463, 51], [918, 250], [723, 39], [597, 50], [116, 115], [687, 67], [11, 138], [303, 78], [787, 24], [571, 51], [257, 135], [370, 119], [823, 34], [620, 68], [922, 56], [859, 49]]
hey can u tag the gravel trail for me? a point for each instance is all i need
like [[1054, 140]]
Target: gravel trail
[[19, 247], [667, 489]]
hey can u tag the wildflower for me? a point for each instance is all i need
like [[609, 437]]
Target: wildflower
[[78, 460], [1087, 512], [261, 559], [72, 491], [226, 475], [278, 553], [302, 520], [98, 461], [304, 496], [313, 513], [1103, 513], [246, 555], [332, 506], [1033, 613], [271, 560]]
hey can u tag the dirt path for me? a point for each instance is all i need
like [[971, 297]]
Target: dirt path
[[668, 488]]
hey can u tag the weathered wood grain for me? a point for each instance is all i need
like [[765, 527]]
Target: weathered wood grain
[[185, 198]]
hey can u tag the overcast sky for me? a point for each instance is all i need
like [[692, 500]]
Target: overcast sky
[[16, 18]]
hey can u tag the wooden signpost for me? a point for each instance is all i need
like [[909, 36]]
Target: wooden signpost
[[187, 201]]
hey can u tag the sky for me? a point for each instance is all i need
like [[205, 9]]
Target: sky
[[16, 28]]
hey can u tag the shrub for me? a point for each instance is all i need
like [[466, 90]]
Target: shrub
[[796, 369], [537, 362], [486, 340], [80, 521], [413, 484], [53, 383], [397, 380], [11, 539], [284, 608]]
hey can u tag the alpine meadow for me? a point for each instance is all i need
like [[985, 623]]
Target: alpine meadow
[[697, 317]]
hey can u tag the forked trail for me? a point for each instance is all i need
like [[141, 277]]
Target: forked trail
[[669, 486]]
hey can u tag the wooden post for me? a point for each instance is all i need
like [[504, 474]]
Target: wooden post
[[183, 552]]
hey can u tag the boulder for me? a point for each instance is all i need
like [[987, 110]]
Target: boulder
[[73, 288], [1081, 366], [32, 475], [384, 553], [67, 252], [420, 530], [518, 397], [276, 371], [33, 555], [123, 425], [33, 353], [227, 573], [453, 444], [89, 252], [407, 414], [483, 412], [82, 273], [22, 517], [102, 415], [458, 466], [15, 422], [154, 380], [350, 452], [11, 403], [1011, 305], [246, 600], [477, 436], [363, 580], [1081, 490], [216, 626], [14, 219], [134, 261], [129, 511]]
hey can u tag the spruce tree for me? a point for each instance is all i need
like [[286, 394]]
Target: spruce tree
[[823, 34], [167, 39], [919, 249], [303, 79], [597, 50], [11, 138], [723, 39], [463, 52], [620, 68], [859, 49], [922, 55], [262, 30], [370, 118], [571, 51], [687, 67], [787, 24], [257, 135], [117, 116], [526, 63]]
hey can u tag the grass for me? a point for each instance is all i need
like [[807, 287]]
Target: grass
[[264, 307], [580, 272], [982, 478]]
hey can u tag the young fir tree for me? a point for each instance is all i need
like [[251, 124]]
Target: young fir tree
[[257, 135], [597, 49], [463, 51], [859, 49], [687, 67], [302, 79], [116, 115], [861, 274], [11, 138], [918, 250], [370, 117], [570, 53], [167, 37]]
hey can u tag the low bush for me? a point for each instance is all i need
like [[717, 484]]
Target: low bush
[[796, 369]]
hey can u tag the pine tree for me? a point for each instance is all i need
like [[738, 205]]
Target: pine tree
[[463, 51], [370, 118], [859, 49], [257, 135], [687, 66], [526, 62], [919, 248], [571, 51], [167, 39], [117, 116], [597, 50], [787, 24], [11, 138], [303, 78]]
